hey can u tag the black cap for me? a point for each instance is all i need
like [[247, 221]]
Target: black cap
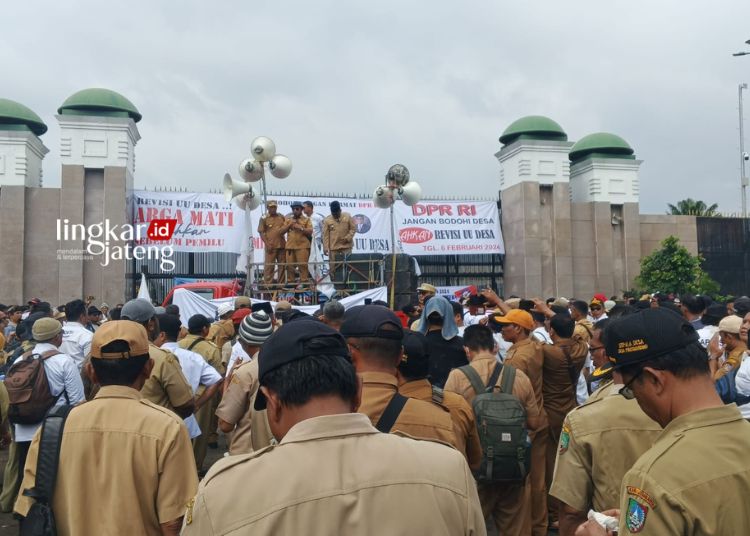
[[476, 299], [295, 341], [296, 204], [372, 321], [645, 335], [198, 322], [93, 310], [742, 306], [335, 206], [416, 360]]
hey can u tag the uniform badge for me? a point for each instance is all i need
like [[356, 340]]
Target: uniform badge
[[635, 519], [564, 439]]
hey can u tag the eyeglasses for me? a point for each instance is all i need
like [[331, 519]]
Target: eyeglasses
[[596, 308], [595, 348], [626, 390]]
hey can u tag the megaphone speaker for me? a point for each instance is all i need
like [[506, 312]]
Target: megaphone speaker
[[233, 188]]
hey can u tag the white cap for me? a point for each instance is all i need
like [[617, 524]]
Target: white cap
[[224, 308]]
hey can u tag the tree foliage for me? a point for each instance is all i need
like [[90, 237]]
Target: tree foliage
[[673, 269], [691, 207]]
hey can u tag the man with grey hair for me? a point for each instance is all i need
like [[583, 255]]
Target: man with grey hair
[[333, 314]]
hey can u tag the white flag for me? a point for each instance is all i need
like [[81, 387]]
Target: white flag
[[143, 293]]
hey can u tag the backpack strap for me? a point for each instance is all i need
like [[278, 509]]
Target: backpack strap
[[437, 394], [473, 376], [391, 413], [508, 379], [49, 455], [492, 382], [195, 342], [48, 354]]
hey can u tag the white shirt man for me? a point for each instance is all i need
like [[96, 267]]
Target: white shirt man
[[76, 342], [238, 353], [540, 334], [64, 381], [197, 372]]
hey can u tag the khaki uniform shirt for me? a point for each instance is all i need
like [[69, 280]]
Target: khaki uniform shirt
[[527, 356], [271, 230], [219, 333], [694, 480], [600, 442], [336, 474], [338, 234], [236, 407], [731, 362], [167, 386], [583, 330], [207, 349], [298, 239], [603, 390], [464, 424], [126, 466], [418, 419], [484, 364], [558, 389]]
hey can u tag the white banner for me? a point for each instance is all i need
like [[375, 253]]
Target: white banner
[[207, 223]]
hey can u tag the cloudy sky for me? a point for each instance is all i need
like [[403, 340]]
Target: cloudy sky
[[348, 88]]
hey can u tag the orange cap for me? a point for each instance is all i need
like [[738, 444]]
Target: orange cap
[[516, 316]]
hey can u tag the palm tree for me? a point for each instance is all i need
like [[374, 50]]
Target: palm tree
[[691, 207]]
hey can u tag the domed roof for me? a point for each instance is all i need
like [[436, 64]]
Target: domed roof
[[99, 101], [15, 114], [537, 127], [601, 143]]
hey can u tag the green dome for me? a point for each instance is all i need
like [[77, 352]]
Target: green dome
[[15, 116], [99, 101], [601, 143], [534, 127]]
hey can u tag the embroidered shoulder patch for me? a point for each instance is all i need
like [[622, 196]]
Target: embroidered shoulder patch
[[638, 492], [564, 439], [635, 518]]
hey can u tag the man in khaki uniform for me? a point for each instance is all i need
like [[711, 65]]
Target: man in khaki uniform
[[509, 504], [298, 241], [338, 235], [248, 428], [728, 359], [359, 481], [694, 479], [374, 334], [413, 383], [600, 442], [126, 466], [603, 371], [271, 230], [584, 329], [167, 386], [526, 355], [223, 329]]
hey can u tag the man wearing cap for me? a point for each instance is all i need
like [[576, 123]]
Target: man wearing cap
[[599, 442], [232, 348], [360, 479], [413, 371], [724, 359], [223, 329], [298, 239], [76, 338], [202, 377], [508, 503], [271, 230], [425, 292], [248, 427], [476, 310], [597, 310], [167, 385], [526, 356], [695, 477], [338, 235], [242, 302], [374, 336], [63, 378], [125, 463]]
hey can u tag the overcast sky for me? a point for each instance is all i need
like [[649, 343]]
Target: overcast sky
[[348, 88]]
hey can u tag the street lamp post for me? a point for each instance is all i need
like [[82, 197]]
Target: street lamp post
[[743, 154], [253, 169], [397, 186]]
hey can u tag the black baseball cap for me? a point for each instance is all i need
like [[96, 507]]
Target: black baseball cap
[[296, 204], [645, 335], [416, 360], [742, 306], [372, 321], [295, 341]]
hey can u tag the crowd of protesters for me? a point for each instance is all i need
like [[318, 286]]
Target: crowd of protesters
[[366, 419]]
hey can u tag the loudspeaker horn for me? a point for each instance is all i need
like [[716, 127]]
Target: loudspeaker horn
[[233, 188]]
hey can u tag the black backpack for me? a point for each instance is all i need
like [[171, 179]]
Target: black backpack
[[501, 423]]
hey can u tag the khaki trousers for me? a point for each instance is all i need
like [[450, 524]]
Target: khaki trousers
[[539, 514], [509, 505], [200, 443], [297, 258], [272, 257]]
